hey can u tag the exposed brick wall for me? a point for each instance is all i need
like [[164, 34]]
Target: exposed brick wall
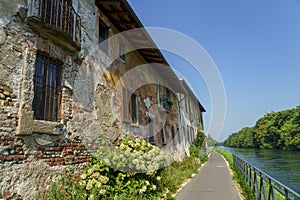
[[8, 110], [65, 153], [66, 105], [60, 153], [11, 150]]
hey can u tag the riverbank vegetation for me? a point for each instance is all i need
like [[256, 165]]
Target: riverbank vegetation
[[106, 176], [276, 130]]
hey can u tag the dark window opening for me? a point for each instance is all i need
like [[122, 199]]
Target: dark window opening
[[151, 138], [47, 80], [163, 135], [134, 108], [103, 35], [168, 94], [160, 99]]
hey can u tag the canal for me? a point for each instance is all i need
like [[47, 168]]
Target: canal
[[279, 164]]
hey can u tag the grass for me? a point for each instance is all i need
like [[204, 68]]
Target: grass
[[178, 172]]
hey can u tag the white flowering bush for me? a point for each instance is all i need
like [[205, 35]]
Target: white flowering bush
[[127, 170], [132, 169], [132, 155], [95, 181]]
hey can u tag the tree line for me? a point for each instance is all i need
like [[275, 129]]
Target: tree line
[[276, 130]]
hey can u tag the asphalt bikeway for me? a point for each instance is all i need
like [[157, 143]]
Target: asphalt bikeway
[[213, 182]]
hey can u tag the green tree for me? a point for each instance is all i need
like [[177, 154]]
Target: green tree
[[275, 130]]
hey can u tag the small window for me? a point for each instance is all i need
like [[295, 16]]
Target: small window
[[179, 137], [168, 94], [47, 80], [163, 135], [103, 35], [159, 96], [122, 50], [151, 138], [134, 112]]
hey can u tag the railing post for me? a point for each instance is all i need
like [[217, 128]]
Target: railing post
[[261, 183], [286, 193]]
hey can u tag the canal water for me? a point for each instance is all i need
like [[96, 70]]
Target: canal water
[[279, 164]]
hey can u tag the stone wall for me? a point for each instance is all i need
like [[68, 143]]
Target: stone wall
[[33, 153]]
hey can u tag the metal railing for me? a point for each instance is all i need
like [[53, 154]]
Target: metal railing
[[262, 184], [59, 14]]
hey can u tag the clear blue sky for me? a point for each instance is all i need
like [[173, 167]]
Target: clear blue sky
[[254, 43]]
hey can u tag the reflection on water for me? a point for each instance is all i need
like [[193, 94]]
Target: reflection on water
[[281, 165]]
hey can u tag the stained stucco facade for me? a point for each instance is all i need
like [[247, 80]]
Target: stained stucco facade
[[55, 55]]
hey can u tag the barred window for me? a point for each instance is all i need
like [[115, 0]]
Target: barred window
[[58, 13], [47, 80]]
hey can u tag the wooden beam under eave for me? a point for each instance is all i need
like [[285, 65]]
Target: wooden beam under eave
[[118, 13], [142, 41], [153, 57], [125, 23], [150, 52], [109, 2], [150, 60], [127, 26]]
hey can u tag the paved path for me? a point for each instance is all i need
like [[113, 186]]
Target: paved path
[[213, 182]]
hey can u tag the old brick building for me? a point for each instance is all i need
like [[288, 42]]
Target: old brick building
[[59, 89]]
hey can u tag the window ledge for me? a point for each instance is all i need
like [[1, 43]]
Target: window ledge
[[27, 125], [135, 125], [53, 33]]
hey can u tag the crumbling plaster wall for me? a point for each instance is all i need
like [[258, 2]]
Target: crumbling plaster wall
[[34, 155]]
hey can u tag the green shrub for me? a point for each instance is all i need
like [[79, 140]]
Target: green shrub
[[129, 169], [132, 169]]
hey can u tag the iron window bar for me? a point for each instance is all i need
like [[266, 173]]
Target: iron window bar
[[47, 88], [59, 14]]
